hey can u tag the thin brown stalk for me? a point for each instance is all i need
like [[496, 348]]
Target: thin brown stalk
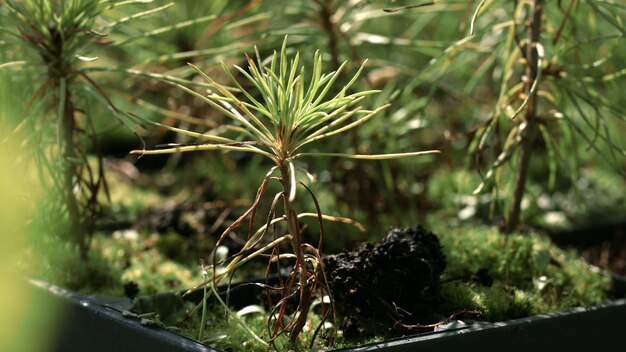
[[566, 16], [326, 12], [528, 135], [70, 154], [239, 220], [293, 225]]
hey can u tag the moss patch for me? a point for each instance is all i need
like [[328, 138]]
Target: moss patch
[[515, 275]]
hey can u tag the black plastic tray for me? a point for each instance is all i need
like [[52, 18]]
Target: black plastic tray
[[97, 324]]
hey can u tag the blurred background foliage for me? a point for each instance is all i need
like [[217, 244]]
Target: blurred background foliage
[[453, 72], [25, 312]]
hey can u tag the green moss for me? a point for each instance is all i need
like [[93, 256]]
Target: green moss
[[515, 275], [171, 245], [61, 265], [501, 276], [224, 333], [494, 303], [154, 273], [134, 256], [125, 197]]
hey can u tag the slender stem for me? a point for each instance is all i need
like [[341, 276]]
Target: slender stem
[[293, 225], [71, 171], [70, 152], [205, 275], [326, 13], [528, 135]]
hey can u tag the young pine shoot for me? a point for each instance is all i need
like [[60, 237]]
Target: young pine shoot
[[290, 114]]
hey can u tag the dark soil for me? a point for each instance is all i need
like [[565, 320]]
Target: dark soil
[[602, 245], [189, 230], [186, 219], [377, 286], [610, 254]]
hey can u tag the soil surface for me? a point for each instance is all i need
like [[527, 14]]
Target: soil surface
[[186, 219], [610, 253], [602, 245], [377, 286]]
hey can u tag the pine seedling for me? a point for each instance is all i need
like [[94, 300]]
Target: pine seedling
[[286, 114], [56, 47], [50, 44]]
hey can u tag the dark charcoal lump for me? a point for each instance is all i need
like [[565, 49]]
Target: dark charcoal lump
[[394, 280]]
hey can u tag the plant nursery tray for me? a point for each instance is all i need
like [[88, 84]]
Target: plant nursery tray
[[97, 324]]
